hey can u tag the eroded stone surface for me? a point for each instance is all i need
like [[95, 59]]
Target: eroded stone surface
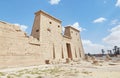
[[17, 49]]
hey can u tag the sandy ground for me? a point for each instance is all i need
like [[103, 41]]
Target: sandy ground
[[82, 69]]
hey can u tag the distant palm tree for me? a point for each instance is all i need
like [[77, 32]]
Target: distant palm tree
[[110, 52], [116, 50], [102, 51], [119, 50]]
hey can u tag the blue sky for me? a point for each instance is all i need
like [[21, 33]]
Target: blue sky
[[98, 20]]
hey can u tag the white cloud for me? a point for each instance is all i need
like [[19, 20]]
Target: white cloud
[[113, 38], [22, 27], [99, 20], [91, 47], [76, 25], [53, 2], [115, 22], [63, 29], [117, 3]]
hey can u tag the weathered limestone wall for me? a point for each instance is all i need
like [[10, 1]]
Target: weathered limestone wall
[[73, 38], [45, 43], [16, 49], [76, 42], [51, 37]]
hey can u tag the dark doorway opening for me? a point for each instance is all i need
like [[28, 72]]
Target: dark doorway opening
[[69, 50]]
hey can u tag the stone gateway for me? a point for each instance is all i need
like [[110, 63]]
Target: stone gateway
[[47, 42]]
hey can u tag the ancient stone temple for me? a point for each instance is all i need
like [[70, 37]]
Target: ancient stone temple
[[47, 42]]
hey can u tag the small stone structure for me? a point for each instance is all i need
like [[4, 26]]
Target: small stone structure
[[45, 44]]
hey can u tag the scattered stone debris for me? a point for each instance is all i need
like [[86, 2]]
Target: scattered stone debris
[[108, 57], [68, 60], [83, 70], [87, 58], [95, 62]]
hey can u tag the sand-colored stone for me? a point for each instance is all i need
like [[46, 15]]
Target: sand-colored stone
[[108, 57], [46, 42]]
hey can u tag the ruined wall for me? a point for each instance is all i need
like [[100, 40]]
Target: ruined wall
[[16, 49], [45, 43]]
